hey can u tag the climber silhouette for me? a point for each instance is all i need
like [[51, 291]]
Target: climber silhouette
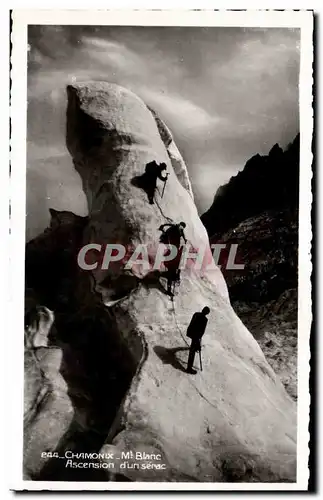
[[195, 331], [153, 171], [173, 236], [174, 233]]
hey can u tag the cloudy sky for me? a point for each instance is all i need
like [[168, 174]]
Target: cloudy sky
[[226, 94]]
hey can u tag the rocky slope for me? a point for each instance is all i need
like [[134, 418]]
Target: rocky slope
[[124, 364], [258, 211]]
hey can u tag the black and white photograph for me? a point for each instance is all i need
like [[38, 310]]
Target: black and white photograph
[[163, 169]]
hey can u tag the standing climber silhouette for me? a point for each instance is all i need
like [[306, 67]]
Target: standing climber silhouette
[[173, 236], [195, 331], [153, 171]]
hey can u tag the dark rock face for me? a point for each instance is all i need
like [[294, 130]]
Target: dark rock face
[[77, 367], [258, 211], [50, 260], [268, 247], [274, 326], [264, 294], [266, 183]]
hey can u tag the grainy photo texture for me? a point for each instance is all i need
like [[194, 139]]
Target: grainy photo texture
[[162, 254]]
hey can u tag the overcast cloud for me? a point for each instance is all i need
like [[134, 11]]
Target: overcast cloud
[[226, 94]]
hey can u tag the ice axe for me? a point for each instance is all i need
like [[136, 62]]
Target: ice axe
[[200, 360], [164, 185]]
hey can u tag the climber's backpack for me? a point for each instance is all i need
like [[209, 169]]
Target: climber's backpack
[[164, 238]]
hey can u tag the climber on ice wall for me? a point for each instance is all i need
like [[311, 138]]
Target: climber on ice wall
[[172, 236], [153, 171], [195, 331]]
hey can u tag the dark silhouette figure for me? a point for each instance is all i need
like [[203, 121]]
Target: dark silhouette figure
[[172, 236], [148, 180], [153, 171], [195, 331]]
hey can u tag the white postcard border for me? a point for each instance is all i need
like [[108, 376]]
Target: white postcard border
[[21, 20]]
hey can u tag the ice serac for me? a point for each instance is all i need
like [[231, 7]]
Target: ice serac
[[233, 421]]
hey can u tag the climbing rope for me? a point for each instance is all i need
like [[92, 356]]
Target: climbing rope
[[177, 325], [161, 211]]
